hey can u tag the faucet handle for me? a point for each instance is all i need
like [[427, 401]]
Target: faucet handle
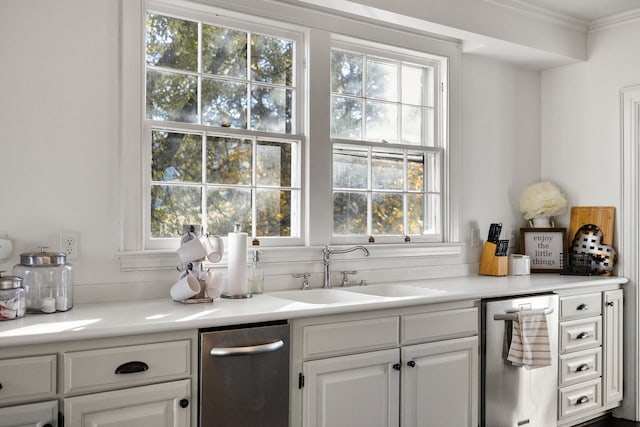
[[305, 280], [345, 277]]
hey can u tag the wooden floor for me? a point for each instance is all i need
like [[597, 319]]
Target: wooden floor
[[610, 422]]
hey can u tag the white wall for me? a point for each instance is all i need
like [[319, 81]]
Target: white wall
[[60, 130], [501, 141]]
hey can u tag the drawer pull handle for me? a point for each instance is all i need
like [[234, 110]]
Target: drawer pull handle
[[184, 403], [583, 307], [47, 425], [253, 349], [0, 386], [582, 368], [581, 400], [583, 335], [411, 363], [132, 367]]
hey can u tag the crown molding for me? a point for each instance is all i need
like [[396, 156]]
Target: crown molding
[[614, 20], [543, 14]]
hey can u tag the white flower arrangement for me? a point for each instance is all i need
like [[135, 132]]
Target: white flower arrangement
[[542, 199]]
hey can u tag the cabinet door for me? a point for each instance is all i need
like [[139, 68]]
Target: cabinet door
[[440, 384], [43, 414], [612, 347], [360, 390], [159, 405]]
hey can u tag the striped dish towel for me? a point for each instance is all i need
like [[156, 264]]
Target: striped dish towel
[[530, 340]]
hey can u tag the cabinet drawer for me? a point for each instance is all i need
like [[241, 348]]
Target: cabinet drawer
[[580, 366], [125, 366], [350, 337], [34, 414], [578, 306], [27, 378], [437, 325], [580, 398], [580, 334]]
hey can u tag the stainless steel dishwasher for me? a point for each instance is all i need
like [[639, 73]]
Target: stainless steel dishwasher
[[244, 376], [517, 396]]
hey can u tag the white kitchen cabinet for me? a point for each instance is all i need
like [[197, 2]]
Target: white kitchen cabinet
[[590, 360], [139, 380], [41, 414], [354, 390], [407, 367], [612, 346], [439, 383], [158, 405]]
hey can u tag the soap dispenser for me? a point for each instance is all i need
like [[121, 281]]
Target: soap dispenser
[[256, 276]]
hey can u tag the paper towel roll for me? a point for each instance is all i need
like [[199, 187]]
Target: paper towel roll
[[237, 283]]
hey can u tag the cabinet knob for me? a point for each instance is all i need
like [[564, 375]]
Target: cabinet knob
[[184, 403], [581, 400], [397, 366], [582, 307], [0, 386], [411, 363], [48, 425], [610, 304]]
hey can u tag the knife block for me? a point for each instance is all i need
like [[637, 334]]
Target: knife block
[[492, 265]]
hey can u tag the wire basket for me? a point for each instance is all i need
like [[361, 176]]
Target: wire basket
[[578, 264]]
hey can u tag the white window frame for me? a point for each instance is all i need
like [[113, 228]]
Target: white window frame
[[245, 24], [440, 143], [134, 256]]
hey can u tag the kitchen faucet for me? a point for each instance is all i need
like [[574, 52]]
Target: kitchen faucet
[[326, 255]]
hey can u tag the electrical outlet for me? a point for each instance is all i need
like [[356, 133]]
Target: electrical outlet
[[70, 244]]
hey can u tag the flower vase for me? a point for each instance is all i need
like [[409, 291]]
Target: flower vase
[[541, 222]]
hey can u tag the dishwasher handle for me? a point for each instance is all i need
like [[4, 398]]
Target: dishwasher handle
[[512, 315], [247, 350]]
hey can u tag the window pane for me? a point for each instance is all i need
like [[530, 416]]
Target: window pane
[[431, 174], [412, 89], [415, 214], [346, 118], [386, 215], [415, 172], [429, 138], [172, 42], [382, 122], [350, 168], [176, 157], [224, 52], [387, 171], [272, 60], [274, 163], [228, 161], [382, 80], [173, 206], [271, 109], [433, 213], [172, 96], [227, 207], [349, 213], [224, 103], [412, 125], [274, 213], [346, 73]]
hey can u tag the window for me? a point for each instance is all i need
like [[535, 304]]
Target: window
[[221, 128], [387, 144]]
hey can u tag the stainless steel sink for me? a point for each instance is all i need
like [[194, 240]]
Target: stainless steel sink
[[326, 296], [395, 291]]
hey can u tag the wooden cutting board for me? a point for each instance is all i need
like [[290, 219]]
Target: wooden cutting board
[[602, 216]]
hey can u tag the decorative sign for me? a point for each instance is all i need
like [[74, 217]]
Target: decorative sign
[[545, 247]]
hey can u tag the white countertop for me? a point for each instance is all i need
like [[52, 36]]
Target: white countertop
[[86, 321]]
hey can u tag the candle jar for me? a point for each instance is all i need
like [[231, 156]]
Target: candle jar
[[47, 281], [12, 297]]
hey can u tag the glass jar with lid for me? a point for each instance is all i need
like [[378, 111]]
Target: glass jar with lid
[[12, 297], [47, 281]]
